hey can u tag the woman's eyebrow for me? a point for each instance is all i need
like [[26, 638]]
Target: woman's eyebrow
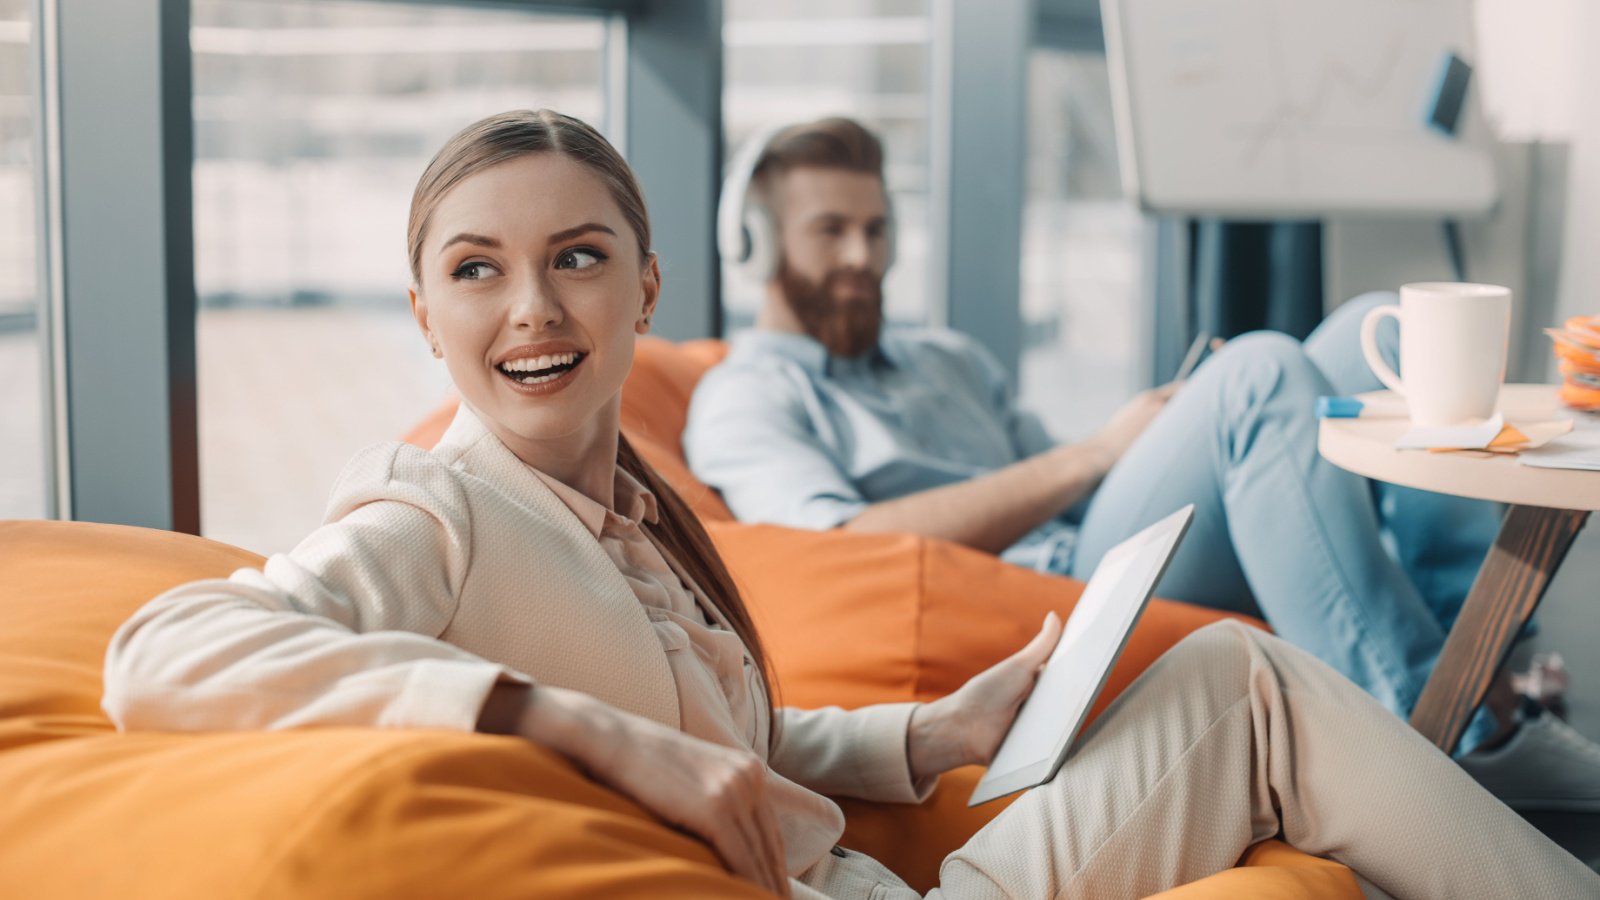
[[585, 228], [469, 238], [479, 240]]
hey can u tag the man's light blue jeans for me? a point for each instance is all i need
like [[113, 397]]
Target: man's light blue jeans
[[1367, 576]]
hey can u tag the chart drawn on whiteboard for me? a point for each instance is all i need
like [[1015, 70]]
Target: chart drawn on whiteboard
[[1289, 107]]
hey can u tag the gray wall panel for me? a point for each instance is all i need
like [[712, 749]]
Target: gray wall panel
[[128, 273], [673, 140], [979, 151]]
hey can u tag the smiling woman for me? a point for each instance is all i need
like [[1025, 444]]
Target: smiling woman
[[536, 317]]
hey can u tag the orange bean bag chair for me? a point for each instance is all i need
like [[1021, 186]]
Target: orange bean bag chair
[[333, 813]]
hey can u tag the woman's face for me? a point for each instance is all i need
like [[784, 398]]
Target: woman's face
[[533, 291]]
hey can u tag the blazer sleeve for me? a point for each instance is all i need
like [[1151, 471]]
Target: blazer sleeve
[[342, 630], [858, 753]]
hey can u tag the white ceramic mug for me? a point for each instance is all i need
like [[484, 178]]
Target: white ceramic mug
[[1452, 349]]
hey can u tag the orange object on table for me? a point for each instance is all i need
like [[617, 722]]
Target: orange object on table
[[1578, 359]]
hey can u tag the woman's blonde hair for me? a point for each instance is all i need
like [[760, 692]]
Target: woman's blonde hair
[[513, 134], [518, 133]]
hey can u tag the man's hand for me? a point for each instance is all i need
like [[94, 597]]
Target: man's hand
[[715, 793], [1129, 422], [966, 728]]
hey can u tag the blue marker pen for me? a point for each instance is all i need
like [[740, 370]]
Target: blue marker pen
[[1351, 408]]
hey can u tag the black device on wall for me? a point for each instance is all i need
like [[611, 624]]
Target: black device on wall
[[1443, 114]]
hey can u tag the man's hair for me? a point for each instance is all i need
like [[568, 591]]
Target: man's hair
[[832, 143]]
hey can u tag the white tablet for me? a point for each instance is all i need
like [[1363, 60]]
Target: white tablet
[[1091, 641]]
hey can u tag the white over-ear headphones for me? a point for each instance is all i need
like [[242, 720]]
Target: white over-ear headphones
[[747, 231], [747, 236]]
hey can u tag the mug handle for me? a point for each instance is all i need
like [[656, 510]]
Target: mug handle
[[1369, 347]]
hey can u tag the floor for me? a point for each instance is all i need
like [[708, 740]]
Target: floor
[[1569, 623]]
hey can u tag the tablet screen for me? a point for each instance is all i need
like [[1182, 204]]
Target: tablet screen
[[1091, 641]]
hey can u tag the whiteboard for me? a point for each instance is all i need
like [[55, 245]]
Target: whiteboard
[[1282, 108]]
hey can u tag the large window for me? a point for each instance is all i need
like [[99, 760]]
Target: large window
[[1080, 255], [313, 120], [789, 61], [23, 352]]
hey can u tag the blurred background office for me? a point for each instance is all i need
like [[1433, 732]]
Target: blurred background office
[[202, 208]]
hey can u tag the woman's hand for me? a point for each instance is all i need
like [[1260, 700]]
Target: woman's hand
[[966, 727], [714, 792]]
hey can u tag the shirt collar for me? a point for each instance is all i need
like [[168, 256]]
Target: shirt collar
[[806, 351], [633, 501]]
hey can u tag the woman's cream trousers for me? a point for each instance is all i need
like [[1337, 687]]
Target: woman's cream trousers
[[1231, 738]]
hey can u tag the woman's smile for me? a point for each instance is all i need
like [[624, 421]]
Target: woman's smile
[[539, 369]]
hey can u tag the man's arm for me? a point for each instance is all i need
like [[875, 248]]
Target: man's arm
[[994, 511]]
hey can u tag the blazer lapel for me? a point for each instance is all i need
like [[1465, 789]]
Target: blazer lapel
[[612, 606]]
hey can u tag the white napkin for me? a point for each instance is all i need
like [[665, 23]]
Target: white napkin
[[1471, 436]]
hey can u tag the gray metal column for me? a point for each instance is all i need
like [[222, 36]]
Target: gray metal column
[[979, 150], [57, 498], [127, 260], [672, 136], [1166, 314]]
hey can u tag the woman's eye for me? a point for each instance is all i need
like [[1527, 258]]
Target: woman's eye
[[579, 259], [472, 271]]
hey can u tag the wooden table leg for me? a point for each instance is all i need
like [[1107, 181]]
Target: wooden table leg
[[1531, 544]]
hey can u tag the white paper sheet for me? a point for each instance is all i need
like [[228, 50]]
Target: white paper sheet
[[1578, 450]]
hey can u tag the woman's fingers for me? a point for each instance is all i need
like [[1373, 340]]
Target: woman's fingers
[[742, 829], [749, 848], [769, 844], [715, 793], [1037, 650], [760, 832], [772, 840], [734, 838]]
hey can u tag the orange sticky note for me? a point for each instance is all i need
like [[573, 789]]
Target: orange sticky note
[[1507, 441], [1509, 436]]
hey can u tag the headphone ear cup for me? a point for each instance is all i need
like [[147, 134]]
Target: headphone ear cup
[[760, 261]]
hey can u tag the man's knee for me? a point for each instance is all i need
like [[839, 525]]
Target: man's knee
[[1270, 360], [1358, 306], [1344, 323]]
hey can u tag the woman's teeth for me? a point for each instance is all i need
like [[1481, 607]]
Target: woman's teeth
[[540, 369]]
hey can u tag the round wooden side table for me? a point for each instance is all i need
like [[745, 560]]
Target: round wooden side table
[[1548, 507]]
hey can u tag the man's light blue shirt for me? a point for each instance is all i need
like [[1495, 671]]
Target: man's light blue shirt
[[793, 436]]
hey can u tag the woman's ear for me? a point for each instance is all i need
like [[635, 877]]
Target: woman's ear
[[419, 311], [650, 282]]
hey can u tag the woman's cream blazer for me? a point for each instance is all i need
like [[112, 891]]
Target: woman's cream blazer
[[437, 575]]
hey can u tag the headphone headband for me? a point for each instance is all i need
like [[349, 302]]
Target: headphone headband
[[747, 232]]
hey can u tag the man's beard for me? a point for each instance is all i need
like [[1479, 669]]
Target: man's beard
[[847, 327]]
